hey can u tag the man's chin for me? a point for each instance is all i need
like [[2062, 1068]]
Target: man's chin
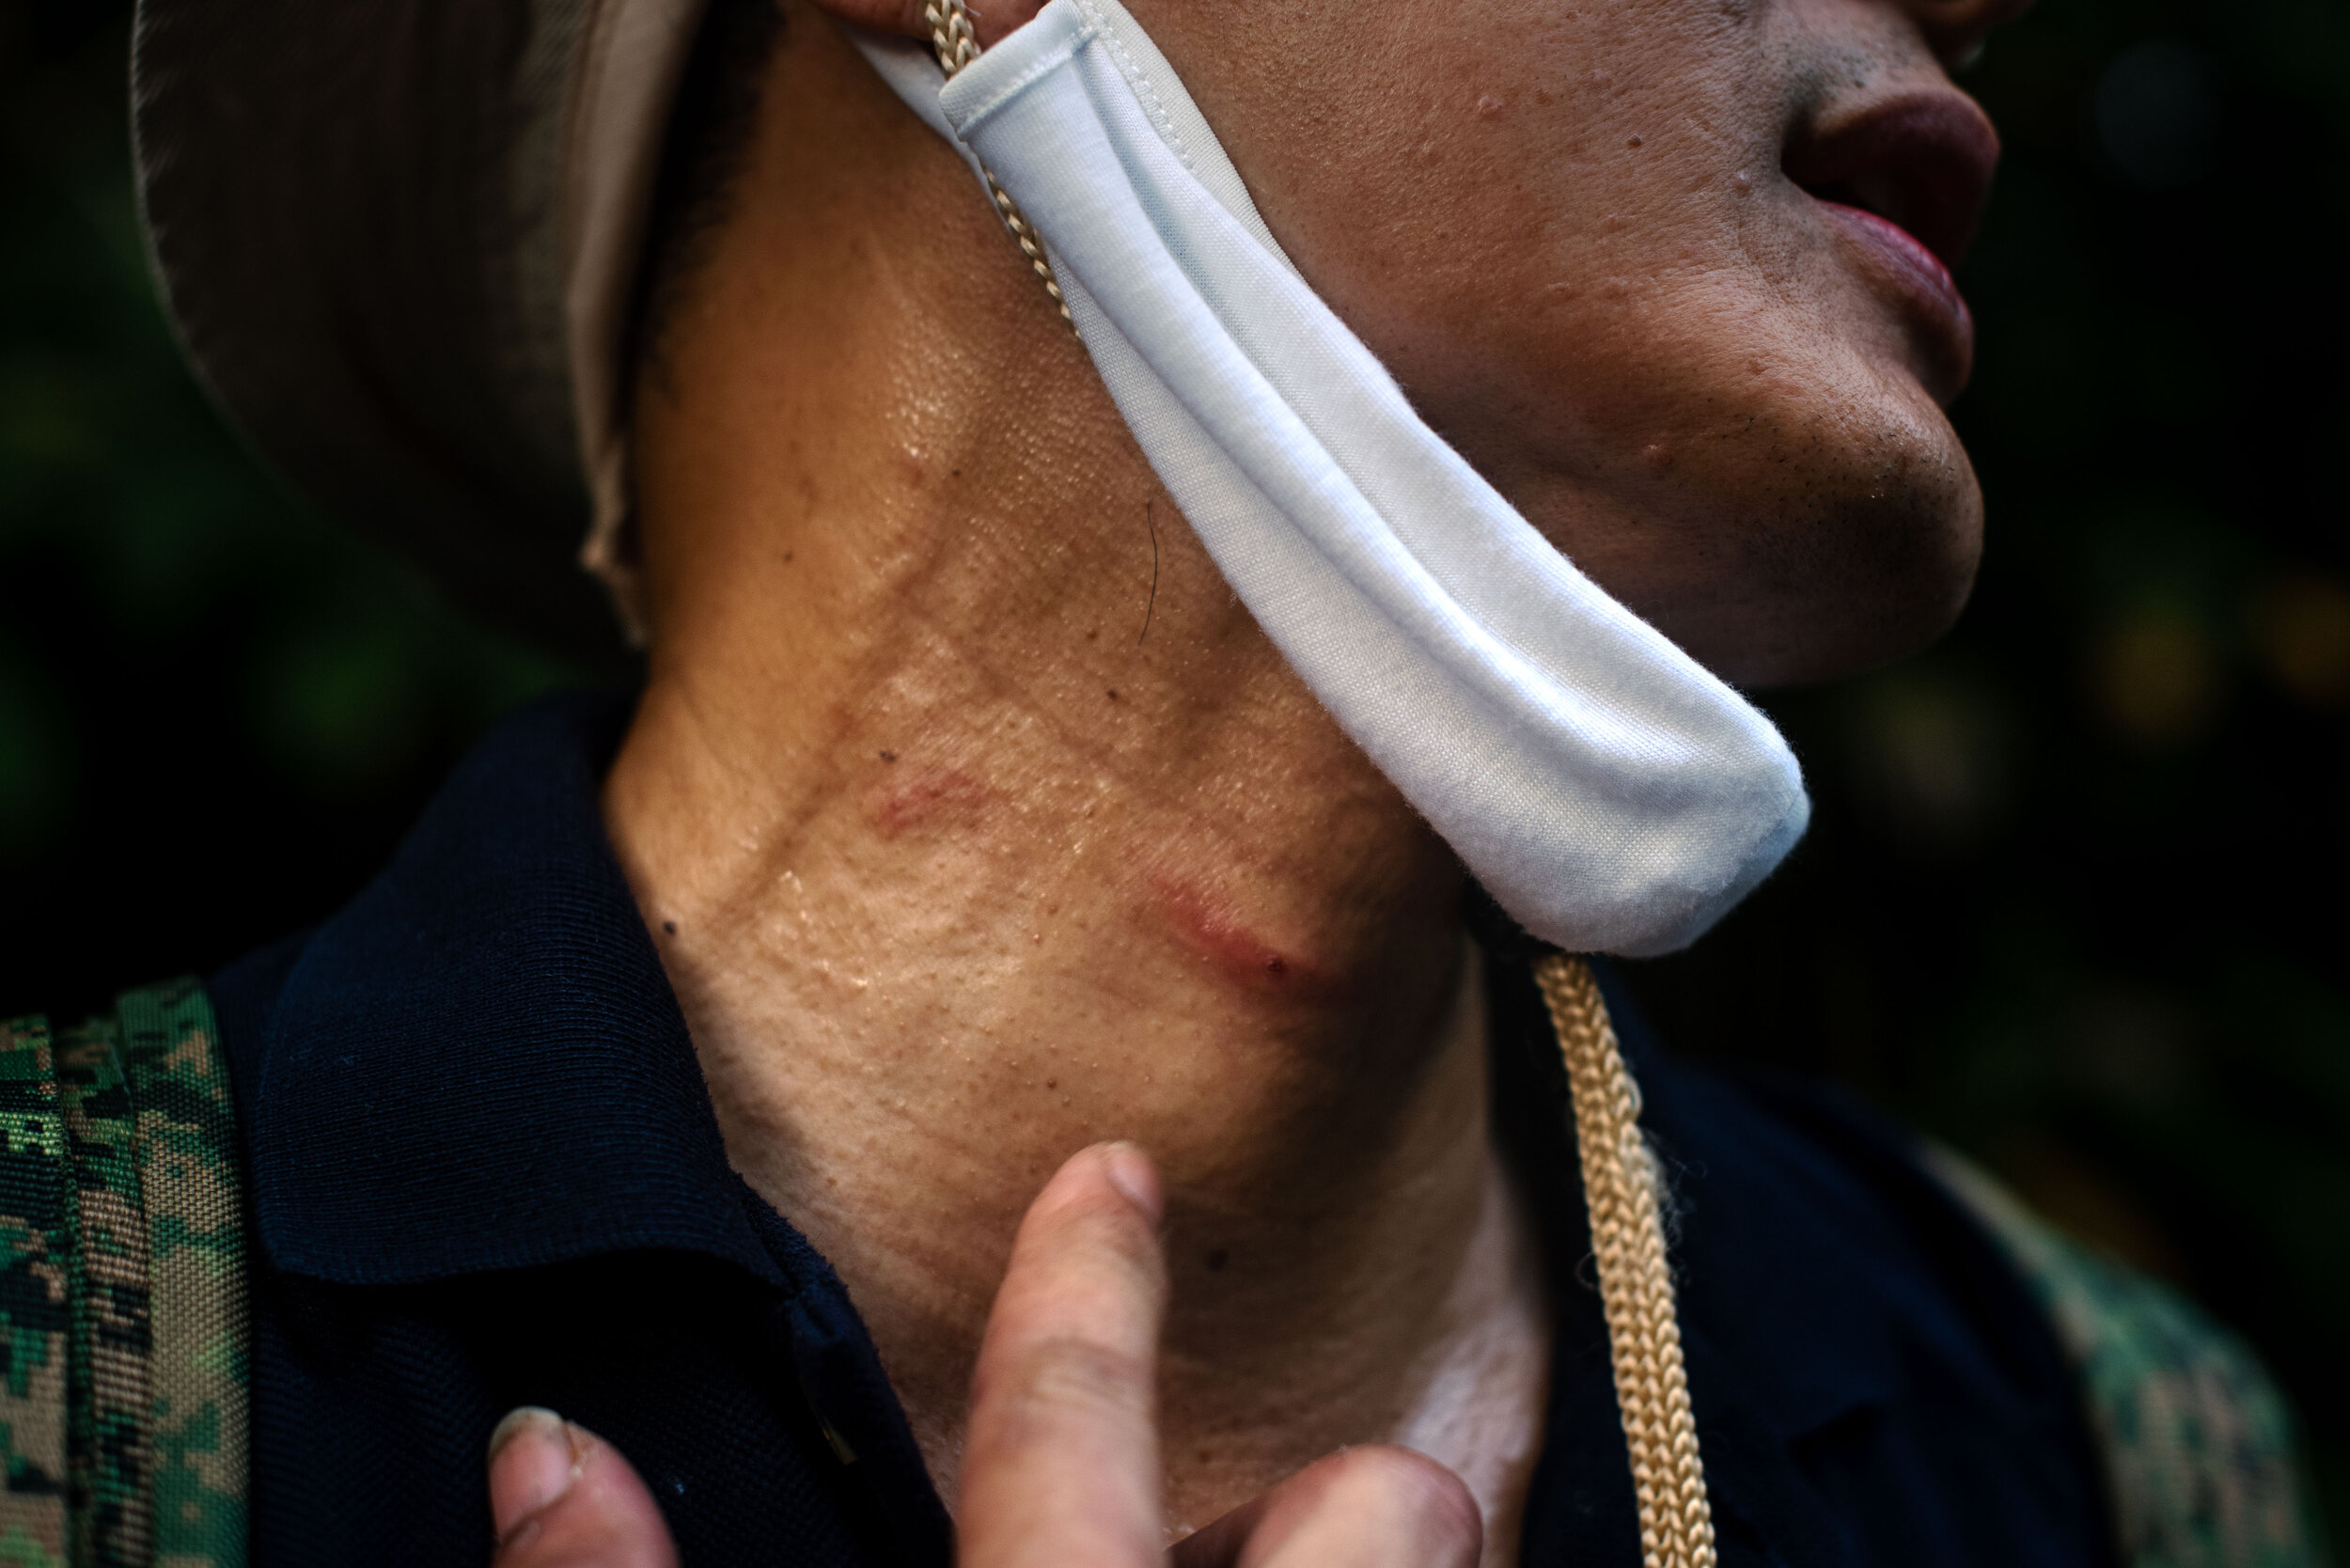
[[1836, 592], [1810, 640]]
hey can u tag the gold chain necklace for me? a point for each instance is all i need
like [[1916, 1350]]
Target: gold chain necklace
[[1621, 1189]]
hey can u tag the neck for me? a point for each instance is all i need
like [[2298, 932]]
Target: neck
[[976, 822]]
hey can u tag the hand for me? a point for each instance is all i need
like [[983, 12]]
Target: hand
[[562, 1497], [1060, 1463], [1060, 1466]]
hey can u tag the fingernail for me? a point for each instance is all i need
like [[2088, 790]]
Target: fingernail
[[1132, 1172], [532, 1462]]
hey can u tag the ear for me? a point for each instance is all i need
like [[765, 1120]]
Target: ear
[[991, 19]]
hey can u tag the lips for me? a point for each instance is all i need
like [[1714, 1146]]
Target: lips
[[1893, 255], [1902, 182], [1921, 161]]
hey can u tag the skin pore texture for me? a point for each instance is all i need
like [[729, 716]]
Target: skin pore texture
[[976, 821]]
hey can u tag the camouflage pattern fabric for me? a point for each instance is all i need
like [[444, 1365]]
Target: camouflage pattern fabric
[[122, 1410], [32, 1298], [187, 1157], [2200, 1450], [107, 1457]]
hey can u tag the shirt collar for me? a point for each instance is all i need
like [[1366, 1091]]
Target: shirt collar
[[480, 1063], [1774, 1243], [1773, 1265]]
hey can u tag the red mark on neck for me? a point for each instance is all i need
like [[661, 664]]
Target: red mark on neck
[[911, 797], [1208, 926]]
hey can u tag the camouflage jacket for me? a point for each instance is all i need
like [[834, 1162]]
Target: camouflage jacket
[[123, 1411]]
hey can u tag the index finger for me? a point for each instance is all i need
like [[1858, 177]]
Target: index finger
[[1060, 1459]]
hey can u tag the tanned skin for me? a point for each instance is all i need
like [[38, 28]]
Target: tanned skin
[[957, 869]]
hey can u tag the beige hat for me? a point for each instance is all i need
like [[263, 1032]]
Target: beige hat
[[399, 242]]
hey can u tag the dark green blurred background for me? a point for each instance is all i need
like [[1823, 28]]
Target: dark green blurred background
[[2071, 899]]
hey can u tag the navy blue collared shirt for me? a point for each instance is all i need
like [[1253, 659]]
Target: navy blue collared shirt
[[485, 1173]]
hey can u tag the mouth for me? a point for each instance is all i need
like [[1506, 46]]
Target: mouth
[[1903, 185]]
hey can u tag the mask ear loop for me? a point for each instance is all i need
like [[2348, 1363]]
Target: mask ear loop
[[957, 46], [1621, 1188]]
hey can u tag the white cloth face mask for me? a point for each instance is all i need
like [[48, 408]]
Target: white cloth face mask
[[1611, 795]]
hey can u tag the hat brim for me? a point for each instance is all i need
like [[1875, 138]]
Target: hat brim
[[356, 217]]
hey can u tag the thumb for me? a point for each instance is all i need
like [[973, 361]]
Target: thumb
[[562, 1497]]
